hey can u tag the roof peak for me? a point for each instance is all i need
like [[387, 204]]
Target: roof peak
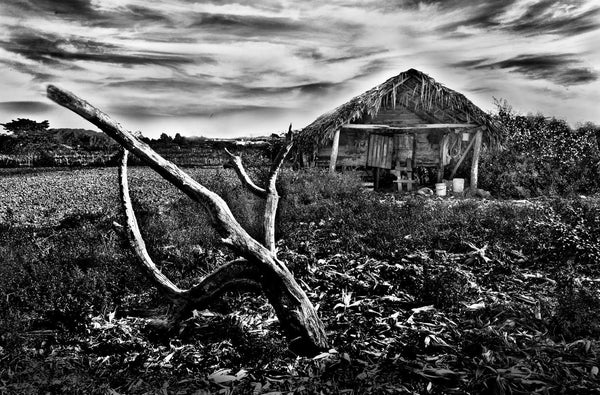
[[421, 95]]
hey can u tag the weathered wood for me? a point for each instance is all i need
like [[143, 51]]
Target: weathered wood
[[380, 153], [395, 116], [417, 126], [334, 151], [355, 151], [272, 195], [230, 276], [398, 170], [462, 158], [297, 315], [475, 162], [236, 162], [442, 154], [135, 238], [414, 156]]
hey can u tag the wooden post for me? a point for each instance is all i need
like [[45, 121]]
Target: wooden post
[[462, 158], [414, 151], [475, 163], [443, 147], [334, 151]]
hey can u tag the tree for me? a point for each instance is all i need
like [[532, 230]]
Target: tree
[[165, 139], [258, 265], [179, 139], [23, 126]]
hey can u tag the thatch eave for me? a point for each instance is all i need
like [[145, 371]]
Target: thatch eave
[[412, 89]]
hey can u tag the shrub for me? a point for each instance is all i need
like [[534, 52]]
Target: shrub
[[567, 230], [57, 276], [577, 308], [541, 156], [443, 286]]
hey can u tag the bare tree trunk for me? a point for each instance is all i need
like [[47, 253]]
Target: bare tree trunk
[[297, 315]]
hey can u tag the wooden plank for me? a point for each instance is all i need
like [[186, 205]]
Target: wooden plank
[[380, 151], [414, 152], [375, 150], [390, 153], [384, 147], [416, 126], [443, 147], [371, 150]]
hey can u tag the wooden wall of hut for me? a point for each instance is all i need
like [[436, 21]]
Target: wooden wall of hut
[[354, 147], [352, 151], [354, 143], [399, 116]]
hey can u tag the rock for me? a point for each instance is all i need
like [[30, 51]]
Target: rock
[[482, 193], [425, 192]]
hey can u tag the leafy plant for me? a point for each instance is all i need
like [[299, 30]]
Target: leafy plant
[[541, 156], [578, 303]]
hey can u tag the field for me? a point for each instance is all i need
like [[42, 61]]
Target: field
[[417, 295]]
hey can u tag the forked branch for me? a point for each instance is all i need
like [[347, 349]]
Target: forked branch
[[236, 162], [296, 314], [270, 192], [135, 238], [231, 276], [281, 155]]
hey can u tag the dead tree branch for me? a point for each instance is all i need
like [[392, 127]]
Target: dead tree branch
[[135, 238], [270, 193], [236, 162], [296, 314], [221, 280]]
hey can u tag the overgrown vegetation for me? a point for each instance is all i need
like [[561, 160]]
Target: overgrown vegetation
[[542, 156], [418, 295]]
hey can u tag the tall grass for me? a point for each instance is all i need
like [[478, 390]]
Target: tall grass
[[58, 275]]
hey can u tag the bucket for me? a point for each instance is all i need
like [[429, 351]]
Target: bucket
[[440, 189], [458, 185]]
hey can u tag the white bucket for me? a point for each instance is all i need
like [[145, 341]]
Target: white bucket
[[458, 185], [440, 189]]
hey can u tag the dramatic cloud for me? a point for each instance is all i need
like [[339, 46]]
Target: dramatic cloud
[[240, 66], [552, 17], [52, 49], [560, 68]]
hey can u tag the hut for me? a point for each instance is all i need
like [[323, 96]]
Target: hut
[[407, 123]]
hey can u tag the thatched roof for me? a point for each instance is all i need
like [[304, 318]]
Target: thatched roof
[[412, 89]]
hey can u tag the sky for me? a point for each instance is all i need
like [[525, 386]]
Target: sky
[[246, 68]]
